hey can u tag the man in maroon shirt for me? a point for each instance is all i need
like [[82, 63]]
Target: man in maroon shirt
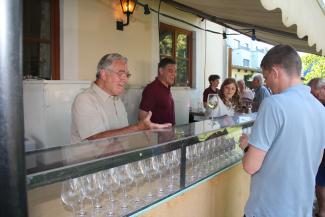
[[212, 89], [157, 97]]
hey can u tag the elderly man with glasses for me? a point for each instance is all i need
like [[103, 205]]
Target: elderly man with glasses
[[98, 112]]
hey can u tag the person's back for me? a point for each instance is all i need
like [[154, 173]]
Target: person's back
[[283, 170], [286, 144]]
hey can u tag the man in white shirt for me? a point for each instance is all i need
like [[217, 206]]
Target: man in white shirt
[[244, 91], [98, 112], [246, 96]]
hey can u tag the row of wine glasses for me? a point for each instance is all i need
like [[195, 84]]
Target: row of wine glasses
[[124, 189], [121, 190], [206, 157]]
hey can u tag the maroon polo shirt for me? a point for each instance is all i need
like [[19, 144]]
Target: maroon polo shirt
[[207, 92], [157, 98]]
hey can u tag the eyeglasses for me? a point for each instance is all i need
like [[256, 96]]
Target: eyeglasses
[[120, 73]]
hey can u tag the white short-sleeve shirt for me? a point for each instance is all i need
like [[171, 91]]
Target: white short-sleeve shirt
[[221, 110], [247, 94], [94, 111]]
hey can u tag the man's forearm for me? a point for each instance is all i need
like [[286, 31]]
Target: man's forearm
[[142, 115], [253, 159], [117, 132]]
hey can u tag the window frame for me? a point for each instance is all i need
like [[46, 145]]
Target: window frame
[[246, 61], [54, 41], [237, 43], [175, 32]]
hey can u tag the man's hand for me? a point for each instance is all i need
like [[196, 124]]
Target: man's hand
[[146, 124], [243, 141]]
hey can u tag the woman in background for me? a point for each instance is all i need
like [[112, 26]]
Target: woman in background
[[228, 99]]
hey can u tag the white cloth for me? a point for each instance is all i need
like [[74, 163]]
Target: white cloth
[[94, 111], [247, 94], [221, 110]]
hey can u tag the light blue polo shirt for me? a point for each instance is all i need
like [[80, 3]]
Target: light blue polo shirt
[[289, 127], [260, 94]]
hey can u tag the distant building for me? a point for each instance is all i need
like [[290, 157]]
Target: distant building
[[246, 55]]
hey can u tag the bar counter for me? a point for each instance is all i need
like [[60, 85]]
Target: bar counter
[[198, 173]]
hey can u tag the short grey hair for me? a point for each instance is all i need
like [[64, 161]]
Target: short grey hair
[[241, 81], [107, 60], [317, 83], [258, 77]]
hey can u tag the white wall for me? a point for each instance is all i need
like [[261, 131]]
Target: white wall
[[215, 53], [69, 40], [88, 31]]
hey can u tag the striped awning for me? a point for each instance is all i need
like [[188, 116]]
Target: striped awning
[[299, 23]]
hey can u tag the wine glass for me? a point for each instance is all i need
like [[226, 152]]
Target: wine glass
[[158, 166], [191, 154], [222, 147], [124, 178], [71, 196], [108, 186], [212, 103], [91, 189], [147, 170], [234, 154], [135, 170], [216, 153], [208, 155], [170, 162]]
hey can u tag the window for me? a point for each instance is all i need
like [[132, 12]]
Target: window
[[246, 62], [41, 57], [236, 43], [176, 43]]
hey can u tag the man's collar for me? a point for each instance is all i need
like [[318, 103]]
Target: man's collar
[[159, 82], [101, 93]]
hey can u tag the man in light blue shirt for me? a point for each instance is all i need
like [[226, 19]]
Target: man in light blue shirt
[[285, 148], [261, 92]]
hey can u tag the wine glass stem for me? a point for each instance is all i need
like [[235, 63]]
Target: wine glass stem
[[96, 203], [171, 170], [137, 190], [124, 203], [111, 196], [192, 168], [74, 211], [82, 210], [149, 184], [161, 189]]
